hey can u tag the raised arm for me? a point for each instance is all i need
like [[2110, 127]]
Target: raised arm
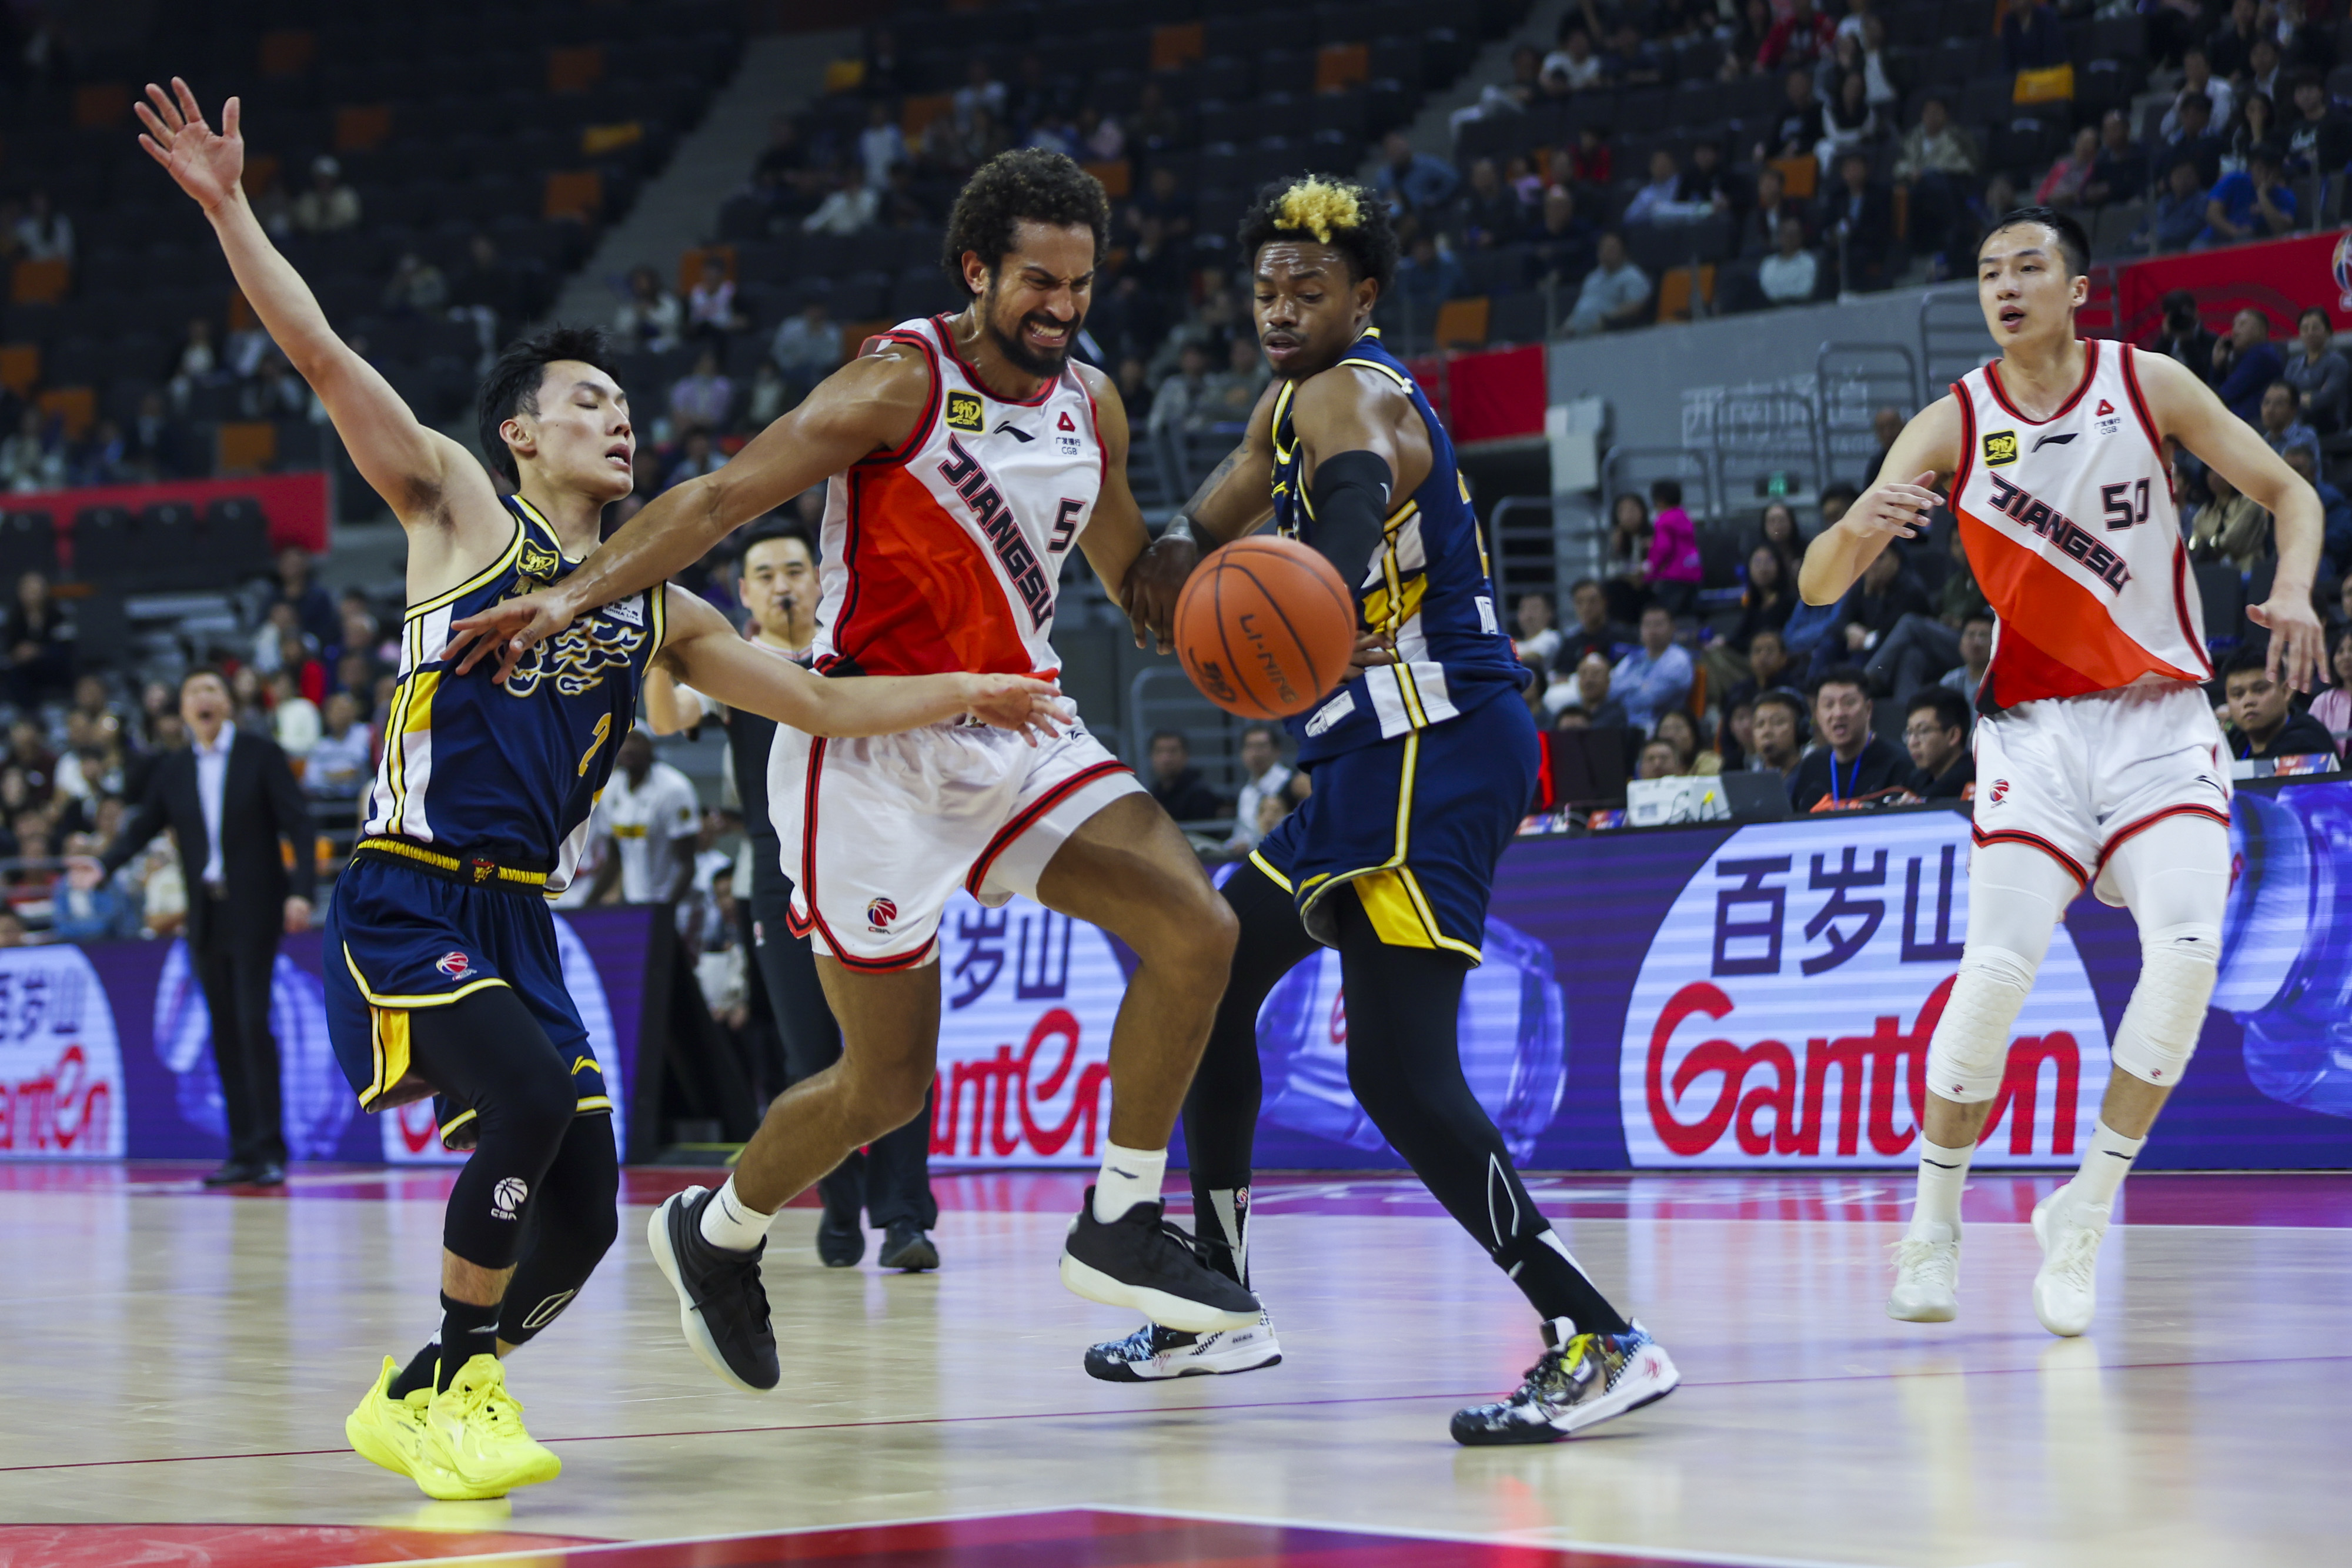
[[1236, 500], [871, 404], [1894, 508], [411, 467], [669, 706], [702, 650], [2189, 412]]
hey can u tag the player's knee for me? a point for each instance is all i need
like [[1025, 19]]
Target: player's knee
[[1193, 929], [891, 1095], [1969, 1050], [535, 1103], [2159, 1033]]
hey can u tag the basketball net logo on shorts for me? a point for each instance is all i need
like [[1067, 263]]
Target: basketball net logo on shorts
[[1782, 1013], [506, 1199], [453, 963], [879, 913]]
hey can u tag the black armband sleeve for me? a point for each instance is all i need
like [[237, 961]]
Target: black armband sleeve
[[1350, 504]]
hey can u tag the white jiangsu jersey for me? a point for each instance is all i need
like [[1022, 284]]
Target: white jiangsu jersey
[[946, 554], [2070, 530]]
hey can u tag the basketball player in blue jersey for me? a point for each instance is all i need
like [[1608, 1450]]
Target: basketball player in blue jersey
[[443, 976], [1423, 763]]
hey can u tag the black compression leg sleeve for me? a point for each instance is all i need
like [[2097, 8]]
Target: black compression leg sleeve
[[1405, 1063], [1221, 1110], [573, 1220], [488, 1055]]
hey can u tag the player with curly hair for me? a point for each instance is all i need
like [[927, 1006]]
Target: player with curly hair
[[1423, 764], [965, 457]]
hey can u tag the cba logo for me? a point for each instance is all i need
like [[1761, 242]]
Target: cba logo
[[880, 912], [506, 1199], [453, 964], [965, 412], [2340, 264], [2000, 791], [536, 561], [2000, 447]]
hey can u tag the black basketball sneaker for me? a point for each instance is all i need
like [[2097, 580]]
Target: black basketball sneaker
[[721, 1306], [1587, 1381], [1142, 1262]]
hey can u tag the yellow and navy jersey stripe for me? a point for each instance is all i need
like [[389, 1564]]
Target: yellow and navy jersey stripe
[[469, 763], [1429, 587]]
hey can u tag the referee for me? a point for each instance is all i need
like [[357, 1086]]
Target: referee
[[890, 1181]]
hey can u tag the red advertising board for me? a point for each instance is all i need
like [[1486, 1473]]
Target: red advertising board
[[2281, 278]]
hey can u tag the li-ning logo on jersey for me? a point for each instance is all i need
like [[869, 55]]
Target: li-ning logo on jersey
[[966, 411], [1003, 531], [577, 657], [2056, 438], [2000, 448], [2060, 529]]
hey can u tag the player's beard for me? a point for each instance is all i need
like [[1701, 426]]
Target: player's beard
[[1028, 361]]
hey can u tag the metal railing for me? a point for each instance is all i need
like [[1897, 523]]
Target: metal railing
[[1859, 378]]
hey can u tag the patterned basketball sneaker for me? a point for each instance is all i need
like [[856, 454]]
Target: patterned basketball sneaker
[[2066, 1286], [1142, 1262], [1592, 1379], [1926, 1277], [392, 1433], [1152, 1353], [474, 1430]]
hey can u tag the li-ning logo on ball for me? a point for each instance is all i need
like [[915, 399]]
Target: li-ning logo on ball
[[506, 1199], [1001, 528], [453, 964], [879, 913]]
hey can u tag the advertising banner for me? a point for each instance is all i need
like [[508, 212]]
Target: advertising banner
[[2281, 278]]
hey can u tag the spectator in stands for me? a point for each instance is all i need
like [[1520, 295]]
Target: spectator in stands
[[2232, 41], [44, 234], [1767, 666], [33, 458], [2318, 137], [39, 638], [1492, 213], [1267, 776], [314, 612], [1672, 569], [1591, 164], [1574, 66], [1414, 182], [1776, 730], [275, 392], [2282, 425], [1888, 592], [701, 399], [850, 206], [2254, 203], [1837, 495], [1705, 187], [1766, 602], [1850, 764], [710, 312], [881, 63], [781, 175], [2263, 67], [1593, 695], [651, 317], [1099, 138], [1936, 732], [2318, 370], [1800, 37], [2119, 170], [881, 145], [2230, 526], [1883, 77], [768, 397], [1561, 246], [2262, 722], [2245, 363], [1657, 761], [329, 206], [696, 456], [1185, 401], [981, 92], [416, 288], [1790, 275], [2069, 176], [648, 825], [2177, 219], [2335, 511], [2332, 709], [1849, 121], [1938, 161], [1976, 656], [1235, 392], [1615, 293], [807, 347], [343, 759], [1426, 277], [1176, 784], [1537, 640], [1885, 425], [2257, 122], [1858, 225], [1657, 674], [1760, 229], [2194, 140], [1678, 730], [1153, 125], [1594, 632], [1661, 199], [2198, 81], [155, 446], [2030, 38], [1800, 125], [293, 717]]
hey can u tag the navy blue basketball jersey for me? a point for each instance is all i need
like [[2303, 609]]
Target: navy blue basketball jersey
[[471, 764], [1429, 587]]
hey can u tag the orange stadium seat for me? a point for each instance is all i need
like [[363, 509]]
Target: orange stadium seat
[[575, 193], [100, 106], [706, 261], [1679, 288], [260, 173], [843, 76], [1341, 66], [20, 367], [247, 445], [1118, 176], [575, 69], [1800, 177], [1176, 46], [40, 282], [73, 407], [362, 126], [915, 115], [288, 51], [1462, 323]]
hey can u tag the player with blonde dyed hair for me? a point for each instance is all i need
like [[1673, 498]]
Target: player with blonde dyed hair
[[1423, 763]]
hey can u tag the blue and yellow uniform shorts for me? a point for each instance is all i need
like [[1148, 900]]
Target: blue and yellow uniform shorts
[[401, 941], [1416, 824]]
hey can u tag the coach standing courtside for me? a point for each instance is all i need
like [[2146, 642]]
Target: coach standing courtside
[[228, 798]]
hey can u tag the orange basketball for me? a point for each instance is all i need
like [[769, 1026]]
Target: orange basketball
[[1265, 627]]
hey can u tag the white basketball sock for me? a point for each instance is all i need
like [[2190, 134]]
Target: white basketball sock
[[2105, 1165], [1942, 1173], [1129, 1176], [728, 1222]]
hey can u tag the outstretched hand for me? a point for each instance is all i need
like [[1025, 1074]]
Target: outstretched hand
[[2297, 639], [511, 629], [208, 164], [1031, 708], [1895, 508], [1154, 585]]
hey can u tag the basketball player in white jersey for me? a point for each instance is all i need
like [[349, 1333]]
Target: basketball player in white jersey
[[2099, 765], [966, 456]]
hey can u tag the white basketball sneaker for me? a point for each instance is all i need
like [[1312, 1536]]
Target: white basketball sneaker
[[1152, 1353], [2066, 1286], [1927, 1275]]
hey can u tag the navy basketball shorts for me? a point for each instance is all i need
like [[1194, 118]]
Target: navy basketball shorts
[[400, 943], [1416, 824]]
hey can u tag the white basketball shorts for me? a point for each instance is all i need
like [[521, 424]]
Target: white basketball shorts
[[878, 832], [2077, 776]]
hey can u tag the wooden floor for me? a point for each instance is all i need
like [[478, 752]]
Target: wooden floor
[[182, 1359]]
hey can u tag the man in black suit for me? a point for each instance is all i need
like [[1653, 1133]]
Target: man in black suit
[[228, 798]]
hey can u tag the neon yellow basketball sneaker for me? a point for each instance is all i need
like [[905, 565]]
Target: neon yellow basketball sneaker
[[474, 1430]]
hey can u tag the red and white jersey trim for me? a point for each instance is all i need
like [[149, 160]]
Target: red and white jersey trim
[[946, 554], [2071, 533]]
